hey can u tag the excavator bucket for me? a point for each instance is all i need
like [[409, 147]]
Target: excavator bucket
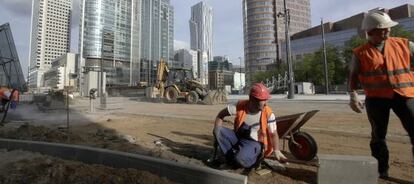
[[215, 97]]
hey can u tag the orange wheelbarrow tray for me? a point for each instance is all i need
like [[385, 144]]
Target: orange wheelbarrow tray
[[302, 145]]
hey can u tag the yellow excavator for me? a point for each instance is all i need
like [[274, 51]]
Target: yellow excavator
[[174, 84]]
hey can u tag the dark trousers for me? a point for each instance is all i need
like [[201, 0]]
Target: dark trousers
[[378, 110]]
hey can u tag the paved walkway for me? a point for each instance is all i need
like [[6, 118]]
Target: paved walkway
[[298, 97]]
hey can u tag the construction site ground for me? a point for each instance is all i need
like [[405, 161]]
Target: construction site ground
[[183, 133]]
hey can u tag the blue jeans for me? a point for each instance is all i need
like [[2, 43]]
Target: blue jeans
[[243, 151]]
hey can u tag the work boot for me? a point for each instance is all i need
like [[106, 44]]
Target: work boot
[[383, 175]]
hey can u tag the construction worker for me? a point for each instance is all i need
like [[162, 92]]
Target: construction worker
[[8, 95], [383, 68], [255, 133]]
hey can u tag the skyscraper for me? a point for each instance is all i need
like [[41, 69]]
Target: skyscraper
[[201, 33], [259, 30], [157, 36], [110, 33], [157, 30], [50, 36]]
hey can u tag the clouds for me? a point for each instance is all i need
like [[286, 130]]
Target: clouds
[[227, 21], [178, 44], [17, 7], [332, 11]]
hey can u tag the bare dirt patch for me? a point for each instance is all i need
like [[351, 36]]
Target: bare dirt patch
[[190, 141], [34, 168]]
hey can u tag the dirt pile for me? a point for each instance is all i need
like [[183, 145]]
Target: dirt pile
[[45, 169], [93, 135], [39, 133]]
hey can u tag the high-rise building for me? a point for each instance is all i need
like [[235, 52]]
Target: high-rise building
[[201, 28], [110, 34], [50, 36], [186, 59], [260, 48], [157, 35], [201, 37], [157, 30]]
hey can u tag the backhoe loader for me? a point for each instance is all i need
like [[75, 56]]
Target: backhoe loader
[[174, 84]]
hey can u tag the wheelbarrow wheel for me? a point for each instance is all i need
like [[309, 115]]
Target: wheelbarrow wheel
[[306, 147]]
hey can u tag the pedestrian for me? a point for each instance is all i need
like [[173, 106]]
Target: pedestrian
[[383, 68], [254, 135], [8, 95]]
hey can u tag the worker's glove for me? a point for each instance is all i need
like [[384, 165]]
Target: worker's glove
[[355, 104], [279, 156], [13, 105]]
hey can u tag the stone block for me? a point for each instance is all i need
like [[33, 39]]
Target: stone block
[[344, 169]]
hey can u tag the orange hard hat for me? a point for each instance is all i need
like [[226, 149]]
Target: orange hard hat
[[260, 92]]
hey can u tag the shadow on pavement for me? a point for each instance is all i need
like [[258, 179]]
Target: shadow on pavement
[[198, 152]]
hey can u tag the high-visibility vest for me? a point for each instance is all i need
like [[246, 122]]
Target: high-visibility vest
[[382, 74], [264, 135]]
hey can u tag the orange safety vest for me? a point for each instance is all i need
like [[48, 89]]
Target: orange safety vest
[[383, 74], [264, 135]]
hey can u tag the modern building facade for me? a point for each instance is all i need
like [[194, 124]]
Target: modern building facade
[[157, 30], [157, 35], [62, 73], [220, 73], [261, 30], [338, 33], [110, 33], [50, 36], [201, 28], [201, 36], [186, 59]]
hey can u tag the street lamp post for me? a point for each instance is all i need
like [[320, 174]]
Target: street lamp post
[[286, 15]]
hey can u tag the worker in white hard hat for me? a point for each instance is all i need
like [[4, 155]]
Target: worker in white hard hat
[[383, 68]]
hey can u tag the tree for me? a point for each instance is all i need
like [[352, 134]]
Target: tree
[[311, 69], [263, 75], [400, 31]]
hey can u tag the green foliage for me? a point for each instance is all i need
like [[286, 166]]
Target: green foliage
[[399, 31], [262, 76], [351, 44], [311, 69]]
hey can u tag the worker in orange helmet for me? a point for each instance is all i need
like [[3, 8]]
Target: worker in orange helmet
[[255, 132], [8, 95]]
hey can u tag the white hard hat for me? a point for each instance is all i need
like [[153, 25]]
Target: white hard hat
[[377, 20]]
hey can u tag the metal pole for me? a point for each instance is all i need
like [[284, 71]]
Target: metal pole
[[291, 93], [240, 90], [101, 90], [276, 32], [325, 62], [67, 108]]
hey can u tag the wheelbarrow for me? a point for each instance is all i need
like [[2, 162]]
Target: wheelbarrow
[[302, 145]]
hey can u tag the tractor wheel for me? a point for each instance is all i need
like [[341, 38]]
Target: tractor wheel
[[171, 95], [306, 147], [192, 97]]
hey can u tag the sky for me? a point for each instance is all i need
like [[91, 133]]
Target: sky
[[227, 22]]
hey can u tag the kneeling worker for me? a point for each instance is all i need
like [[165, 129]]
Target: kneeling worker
[[255, 132]]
